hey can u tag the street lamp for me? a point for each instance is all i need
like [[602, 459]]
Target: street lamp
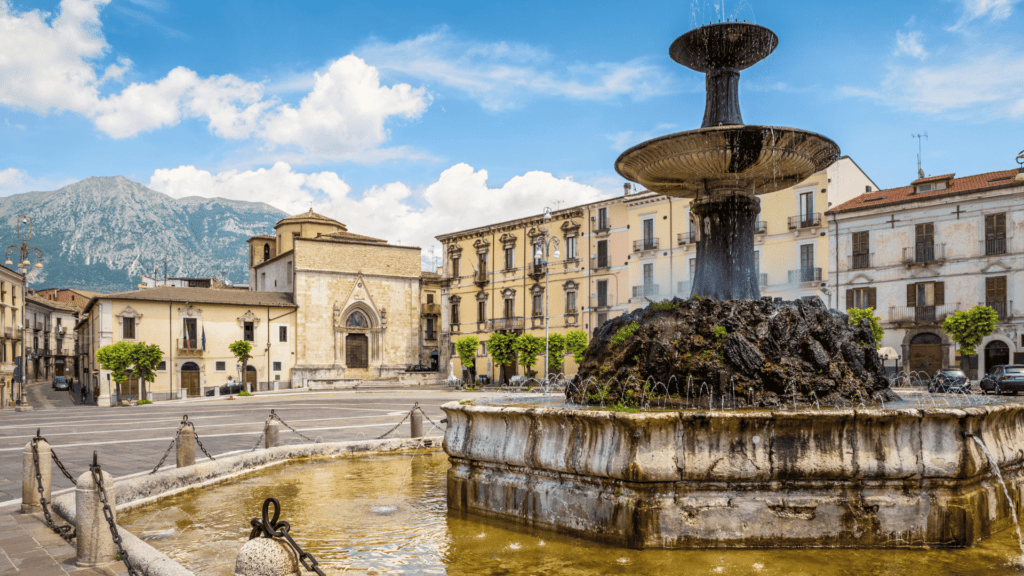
[[544, 241], [24, 251]]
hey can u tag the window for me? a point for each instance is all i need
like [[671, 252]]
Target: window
[[248, 332], [430, 297], [282, 333], [455, 266], [570, 302], [455, 314], [289, 272], [538, 248], [266, 251], [128, 328], [931, 187], [220, 366], [860, 298], [263, 280], [482, 261], [602, 317], [693, 269], [602, 292], [860, 250], [807, 263], [538, 304], [510, 307], [806, 207], [481, 311], [924, 242], [995, 234], [602, 219], [923, 297], [602, 253], [570, 248], [430, 329], [276, 366], [510, 257], [995, 295], [188, 334], [650, 289], [483, 348], [162, 365]]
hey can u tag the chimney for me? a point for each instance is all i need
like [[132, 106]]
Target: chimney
[[625, 188]]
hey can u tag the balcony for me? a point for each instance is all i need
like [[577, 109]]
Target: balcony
[[995, 246], [924, 254], [603, 225], [805, 221], [683, 289], [921, 314], [602, 300], [760, 227], [1003, 309], [762, 278], [39, 326], [189, 347], [431, 309], [8, 332], [686, 237], [511, 323], [805, 275], [538, 270], [430, 335], [480, 278], [645, 244], [646, 290], [861, 261], [602, 262]]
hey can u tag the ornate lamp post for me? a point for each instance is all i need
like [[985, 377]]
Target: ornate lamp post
[[24, 251], [541, 256]]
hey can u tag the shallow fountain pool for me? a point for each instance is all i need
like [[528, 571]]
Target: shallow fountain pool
[[355, 514]]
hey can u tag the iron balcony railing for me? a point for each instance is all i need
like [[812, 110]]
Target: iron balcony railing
[[1003, 309], [602, 300], [805, 221], [921, 313], [39, 326], [995, 246], [686, 237], [646, 290], [683, 288], [760, 227], [602, 262], [805, 275], [512, 323], [188, 344], [861, 261], [924, 253], [480, 277], [430, 335], [603, 225], [762, 278], [538, 270], [645, 244]]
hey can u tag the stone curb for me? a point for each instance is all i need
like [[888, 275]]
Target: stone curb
[[142, 490]]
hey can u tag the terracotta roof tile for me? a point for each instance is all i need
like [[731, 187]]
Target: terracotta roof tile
[[933, 178], [203, 296], [343, 235], [904, 194], [263, 237]]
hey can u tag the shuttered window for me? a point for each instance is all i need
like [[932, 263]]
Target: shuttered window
[[995, 234], [602, 253], [995, 289], [860, 250], [861, 298], [926, 294]]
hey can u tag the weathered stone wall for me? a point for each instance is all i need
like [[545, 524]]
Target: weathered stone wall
[[876, 478]]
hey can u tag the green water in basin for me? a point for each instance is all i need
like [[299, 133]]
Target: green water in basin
[[356, 514]]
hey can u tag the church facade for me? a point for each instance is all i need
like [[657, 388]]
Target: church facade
[[359, 310]]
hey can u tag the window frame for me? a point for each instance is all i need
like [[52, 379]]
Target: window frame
[[127, 322]]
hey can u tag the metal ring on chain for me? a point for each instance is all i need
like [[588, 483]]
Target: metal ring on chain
[[64, 531], [108, 514], [270, 527]]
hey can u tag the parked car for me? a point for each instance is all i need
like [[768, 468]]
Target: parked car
[[950, 380], [227, 390], [420, 368], [61, 383], [1002, 379]]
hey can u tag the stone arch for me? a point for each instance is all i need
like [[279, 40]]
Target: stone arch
[[372, 319], [266, 251], [925, 350], [190, 378], [994, 341]]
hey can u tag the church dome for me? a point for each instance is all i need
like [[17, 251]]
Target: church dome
[[310, 218]]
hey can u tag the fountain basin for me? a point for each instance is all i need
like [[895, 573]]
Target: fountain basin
[[836, 478]]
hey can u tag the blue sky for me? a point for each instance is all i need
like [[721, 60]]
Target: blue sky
[[409, 119]]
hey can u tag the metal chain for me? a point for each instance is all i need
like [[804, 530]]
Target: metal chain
[[417, 407], [167, 453], [262, 434], [66, 532], [97, 477], [272, 528], [381, 437], [274, 416], [185, 422]]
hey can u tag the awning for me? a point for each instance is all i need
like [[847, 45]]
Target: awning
[[888, 353]]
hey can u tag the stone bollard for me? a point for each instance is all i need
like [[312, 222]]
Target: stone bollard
[[273, 434], [186, 446], [416, 423], [93, 540], [29, 484], [267, 557]]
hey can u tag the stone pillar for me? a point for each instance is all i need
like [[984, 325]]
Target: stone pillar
[[186, 446], [94, 542], [273, 434], [29, 485], [416, 424], [266, 557]]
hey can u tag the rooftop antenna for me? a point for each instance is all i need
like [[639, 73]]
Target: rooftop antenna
[[920, 172]]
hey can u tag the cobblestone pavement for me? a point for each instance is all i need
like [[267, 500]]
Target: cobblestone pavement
[[29, 548]]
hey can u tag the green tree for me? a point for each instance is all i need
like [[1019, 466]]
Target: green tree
[[969, 328], [858, 314], [502, 346], [241, 350], [466, 347], [576, 344], [556, 352], [120, 358], [529, 347]]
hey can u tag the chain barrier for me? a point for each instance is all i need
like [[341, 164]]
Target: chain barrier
[[262, 434], [184, 422], [272, 528], [64, 531], [273, 416], [97, 477], [414, 409]]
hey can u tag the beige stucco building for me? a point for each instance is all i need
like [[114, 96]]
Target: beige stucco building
[[12, 330], [51, 349], [193, 327]]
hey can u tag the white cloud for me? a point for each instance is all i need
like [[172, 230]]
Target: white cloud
[[11, 178], [52, 63], [909, 43], [983, 86], [504, 75], [458, 200], [994, 9]]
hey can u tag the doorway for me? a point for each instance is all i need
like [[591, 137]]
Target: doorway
[[190, 378], [250, 377], [997, 353], [925, 353], [356, 351]]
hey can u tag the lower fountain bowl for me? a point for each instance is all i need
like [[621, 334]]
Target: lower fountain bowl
[[839, 478], [761, 159]]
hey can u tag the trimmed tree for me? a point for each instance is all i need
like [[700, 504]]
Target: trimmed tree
[[968, 329], [241, 350], [122, 357], [147, 357], [466, 348], [556, 352], [529, 347], [858, 314], [576, 344], [503, 349]]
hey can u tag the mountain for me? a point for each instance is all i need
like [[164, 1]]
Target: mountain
[[104, 233]]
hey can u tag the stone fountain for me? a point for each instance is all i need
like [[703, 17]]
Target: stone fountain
[[778, 473]]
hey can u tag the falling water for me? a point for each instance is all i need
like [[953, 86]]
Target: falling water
[[1006, 492]]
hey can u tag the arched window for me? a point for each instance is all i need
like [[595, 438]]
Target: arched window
[[266, 251], [357, 320], [926, 338]]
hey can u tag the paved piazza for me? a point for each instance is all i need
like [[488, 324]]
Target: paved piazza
[[132, 439]]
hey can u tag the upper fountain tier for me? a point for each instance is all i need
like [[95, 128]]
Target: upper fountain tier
[[725, 155]]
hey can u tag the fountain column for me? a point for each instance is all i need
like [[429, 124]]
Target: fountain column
[[725, 248]]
